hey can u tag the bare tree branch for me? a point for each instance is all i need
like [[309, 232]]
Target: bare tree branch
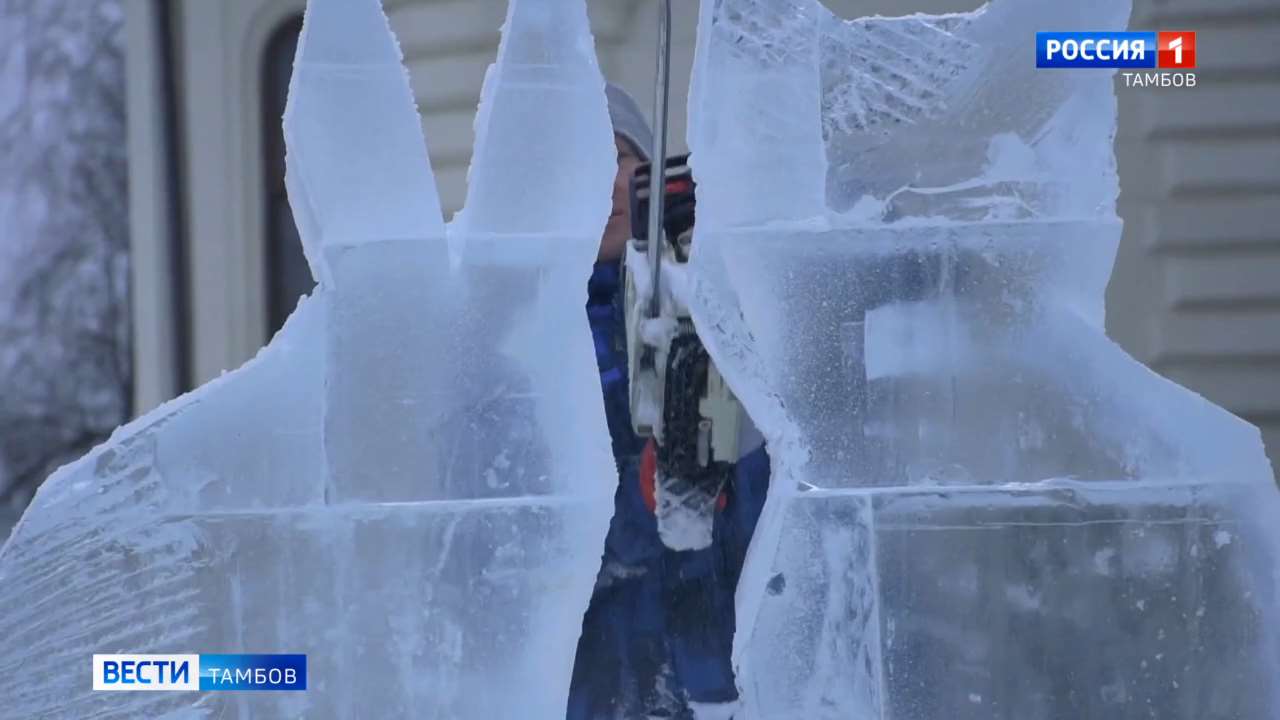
[[65, 374]]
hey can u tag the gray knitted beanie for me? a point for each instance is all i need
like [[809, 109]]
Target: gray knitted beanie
[[628, 121]]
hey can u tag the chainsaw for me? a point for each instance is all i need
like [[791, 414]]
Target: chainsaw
[[678, 399]]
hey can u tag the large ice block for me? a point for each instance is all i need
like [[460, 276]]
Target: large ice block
[[411, 483], [1062, 600], [981, 507]]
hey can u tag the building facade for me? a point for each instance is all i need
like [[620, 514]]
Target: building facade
[[217, 264]]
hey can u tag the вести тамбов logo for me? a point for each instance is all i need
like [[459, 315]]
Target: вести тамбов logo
[[1146, 58], [203, 672]]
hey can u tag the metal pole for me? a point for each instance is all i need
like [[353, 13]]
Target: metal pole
[[658, 157]]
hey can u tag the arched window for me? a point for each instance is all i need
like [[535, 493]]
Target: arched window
[[287, 275]]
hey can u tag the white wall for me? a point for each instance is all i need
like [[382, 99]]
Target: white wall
[[1196, 290]]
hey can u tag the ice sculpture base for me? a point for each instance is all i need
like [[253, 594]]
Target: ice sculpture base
[[1056, 600], [379, 597]]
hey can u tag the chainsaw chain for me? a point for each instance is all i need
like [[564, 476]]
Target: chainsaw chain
[[679, 472]]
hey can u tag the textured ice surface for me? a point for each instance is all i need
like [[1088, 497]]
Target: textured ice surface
[[982, 508], [412, 481]]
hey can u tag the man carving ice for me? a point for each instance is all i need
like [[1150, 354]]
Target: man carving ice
[[657, 636]]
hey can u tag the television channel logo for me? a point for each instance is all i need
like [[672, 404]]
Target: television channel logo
[[205, 672], [1167, 50], [146, 672], [1177, 50]]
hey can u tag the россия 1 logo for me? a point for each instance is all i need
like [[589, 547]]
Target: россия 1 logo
[[1123, 50]]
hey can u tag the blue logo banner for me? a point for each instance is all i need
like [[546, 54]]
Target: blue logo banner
[[1096, 49], [253, 672]]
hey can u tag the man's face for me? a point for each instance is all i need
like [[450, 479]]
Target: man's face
[[618, 229]]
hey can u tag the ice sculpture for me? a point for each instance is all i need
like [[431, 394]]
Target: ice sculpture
[[981, 507], [411, 483]]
